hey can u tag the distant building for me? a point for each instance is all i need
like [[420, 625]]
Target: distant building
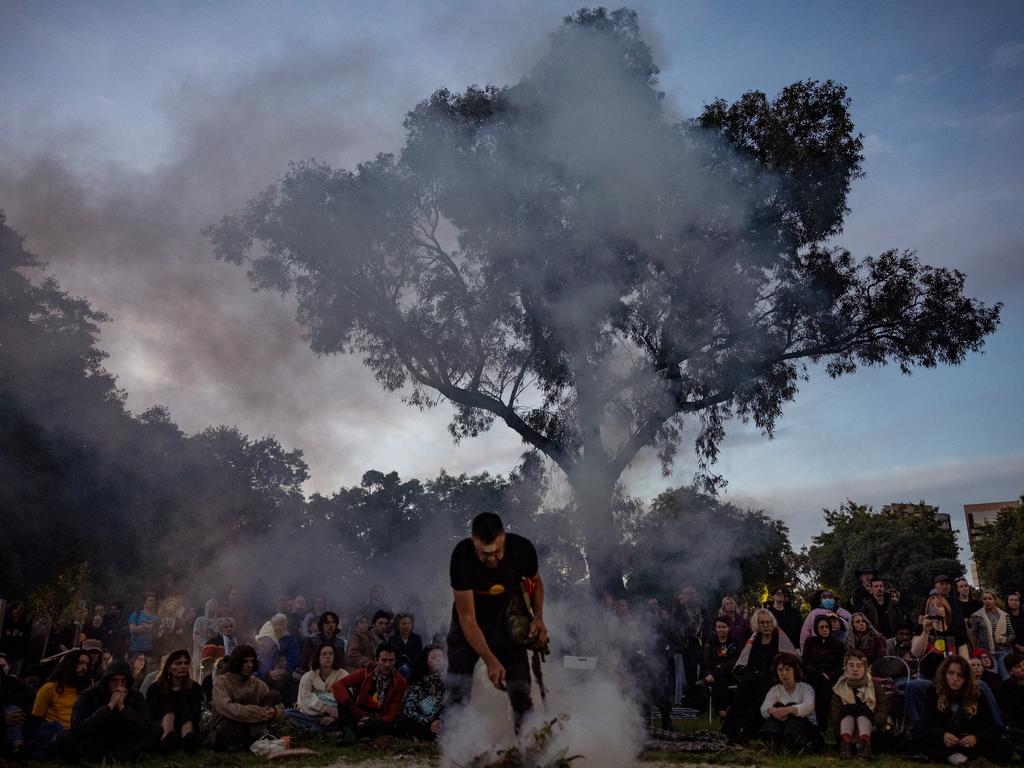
[[977, 515], [942, 518]]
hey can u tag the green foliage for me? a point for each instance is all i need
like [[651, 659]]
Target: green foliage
[[688, 537], [907, 547], [61, 600], [556, 255], [999, 550]]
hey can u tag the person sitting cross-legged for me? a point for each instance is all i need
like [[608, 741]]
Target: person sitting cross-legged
[[370, 699], [424, 698], [110, 721], [788, 708], [243, 705], [858, 708], [960, 723], [316, 709], [175, 703], [55, 701]]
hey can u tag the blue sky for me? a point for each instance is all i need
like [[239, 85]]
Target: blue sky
[[128, 126]]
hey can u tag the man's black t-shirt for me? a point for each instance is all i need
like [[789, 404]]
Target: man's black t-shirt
[[491, 585]]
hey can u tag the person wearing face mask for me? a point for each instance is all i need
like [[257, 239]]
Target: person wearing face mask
[[829, 605]]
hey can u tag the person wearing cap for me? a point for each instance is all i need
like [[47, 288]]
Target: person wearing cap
[[110, 720], [862, 591], [96, 666], [243, 705]]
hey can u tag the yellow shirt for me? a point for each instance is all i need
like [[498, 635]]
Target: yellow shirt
[[53, 706]]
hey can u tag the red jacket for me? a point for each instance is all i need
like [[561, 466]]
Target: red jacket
[[360, 685]]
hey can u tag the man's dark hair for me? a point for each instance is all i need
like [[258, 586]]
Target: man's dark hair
[[385, 648], [64, 674], [238, 657], [314, 657], [877, 578], [380, 615], [323, 617], [791, 660], [487, 526]]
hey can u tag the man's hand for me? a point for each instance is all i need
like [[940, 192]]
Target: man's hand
[[363, 721], [117, 699], [949, 740], [539, 632], [496, 674], [275, 674], [269, 713], [435, 727], [709, 679], [968, 742], [332, 712]]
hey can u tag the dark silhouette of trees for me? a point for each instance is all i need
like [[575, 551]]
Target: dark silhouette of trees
[[558, 256], [907, 546], [999, 550]]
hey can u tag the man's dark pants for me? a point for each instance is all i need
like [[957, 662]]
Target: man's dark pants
[[462, 661]]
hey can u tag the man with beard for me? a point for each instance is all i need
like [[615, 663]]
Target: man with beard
[[485, 570], [55, 701], [370, 699], [243, 705], [110, 720], [15, 703]]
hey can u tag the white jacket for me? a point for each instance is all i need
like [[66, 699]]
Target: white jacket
[[311, 686]]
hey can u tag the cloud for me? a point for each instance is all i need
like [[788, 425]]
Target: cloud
[[949, 483], [904, 78], [1008, 56], [188, 331], [875, 145]]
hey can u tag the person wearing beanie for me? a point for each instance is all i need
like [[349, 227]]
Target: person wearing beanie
[[110, 720], [243, 705]]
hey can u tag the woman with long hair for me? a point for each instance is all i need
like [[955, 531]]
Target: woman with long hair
[[940, 637], [865, 638], [316, 708], [424, 698], [961, 722], [175, 703]]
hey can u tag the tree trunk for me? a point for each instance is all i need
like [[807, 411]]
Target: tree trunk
[[593, 492]]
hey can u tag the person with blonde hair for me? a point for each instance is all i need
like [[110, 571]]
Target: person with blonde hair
[[858, 708], [992, 631]]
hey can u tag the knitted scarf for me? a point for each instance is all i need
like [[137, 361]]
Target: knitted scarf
[[852, 691]]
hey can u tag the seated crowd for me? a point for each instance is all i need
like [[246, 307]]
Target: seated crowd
[[129, 685], [867, 675], [946, 682]]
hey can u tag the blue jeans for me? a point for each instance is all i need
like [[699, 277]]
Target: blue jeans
[[41, 744], [14, 732]]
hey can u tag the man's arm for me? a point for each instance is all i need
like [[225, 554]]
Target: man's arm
[[466, 611]]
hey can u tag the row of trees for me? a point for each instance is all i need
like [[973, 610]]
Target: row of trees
[[84, 480]]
